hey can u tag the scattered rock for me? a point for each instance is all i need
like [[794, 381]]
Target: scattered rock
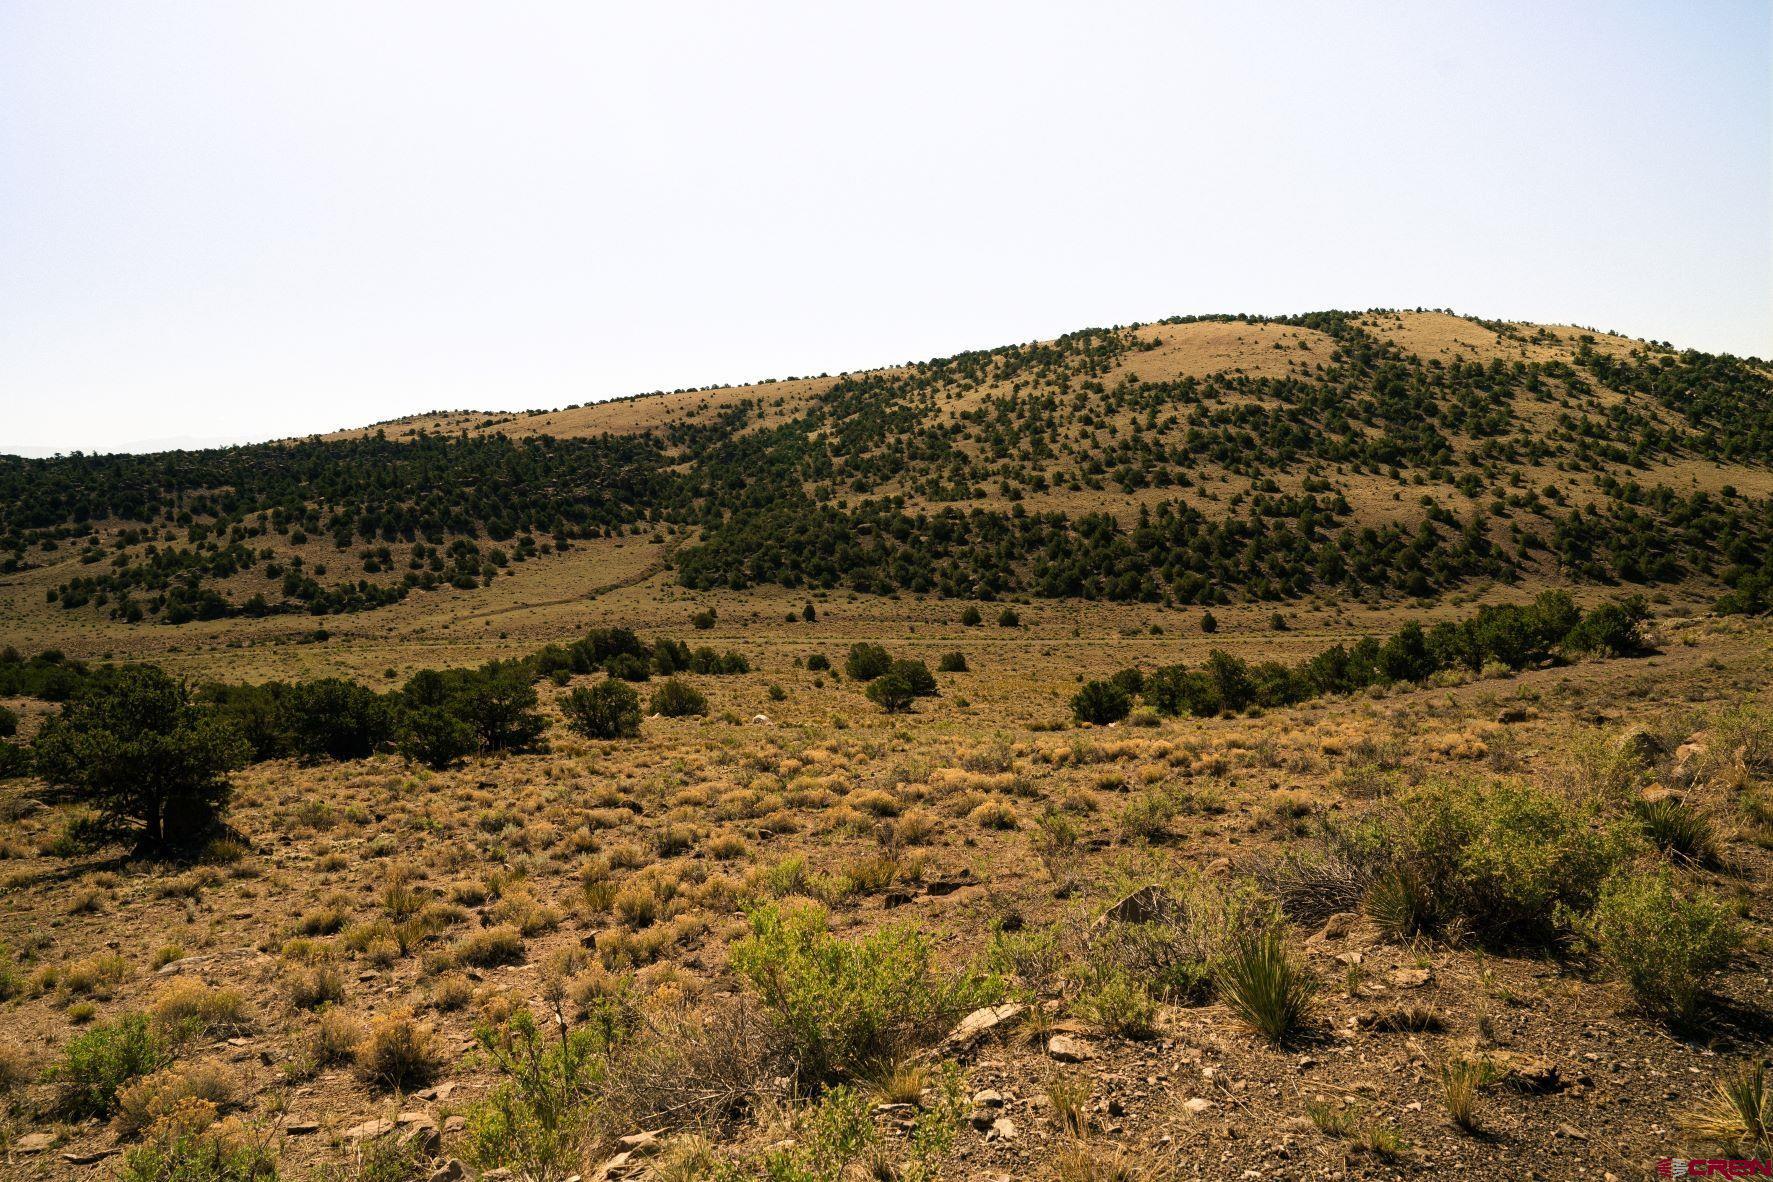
[[1658, 793], [1638, 743], [1002, 1129], [615, 1167], [760, 720], [1409, 978], [34, 1142], [295, 1126], [639, 1141], [1513, 714], [988, 1099], [1197, 1105], [88, 1159], [1067, 1049], [450, 1171], [425, 1139], [977, 1024], [1527, 1073], [1336, 927], [369, 1129], [947, 886], [1145, 905]]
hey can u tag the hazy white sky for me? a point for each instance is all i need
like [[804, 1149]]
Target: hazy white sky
[[241, 221]]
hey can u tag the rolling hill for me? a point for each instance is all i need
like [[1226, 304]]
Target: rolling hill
[[1209, 460]]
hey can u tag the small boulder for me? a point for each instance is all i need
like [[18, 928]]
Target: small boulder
[[449, 1171], [1336, 927], [981, 1022], [1197, 1105], [424, 1140], [1067, 1049], [1640, 744], [1145, 905], [1659, 794], [1526, 1073]]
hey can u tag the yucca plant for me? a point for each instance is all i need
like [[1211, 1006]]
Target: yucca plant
[[1259, 979], [1739, 1110], [1679, 830], [1399, 905]]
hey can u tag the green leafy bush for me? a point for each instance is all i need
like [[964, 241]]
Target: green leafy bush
[[187, 1147], [843, 1006], [607, 710], [99, 1062], [537, 1118], [1667, 948], [955, 662], [1503, 859]]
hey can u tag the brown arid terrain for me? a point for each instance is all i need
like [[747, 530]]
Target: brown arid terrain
[[1505, 916]]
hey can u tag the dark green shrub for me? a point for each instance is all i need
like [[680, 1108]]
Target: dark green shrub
[[892, 691], [1100, 702], [607, 710], [1174, 690], [334, 718], [970, 618], [1209, 623], [1007, 618], [916, 675], [818, 662], [678, 699], [866, 662], [1614, 629], [134, 748], [952, 663], [1130, 680], [435, 736], [8, 723]]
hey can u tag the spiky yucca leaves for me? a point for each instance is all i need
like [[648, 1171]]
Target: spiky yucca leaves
[[1258, 977]]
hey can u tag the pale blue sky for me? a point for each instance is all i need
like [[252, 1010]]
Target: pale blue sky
[[243, 221]]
